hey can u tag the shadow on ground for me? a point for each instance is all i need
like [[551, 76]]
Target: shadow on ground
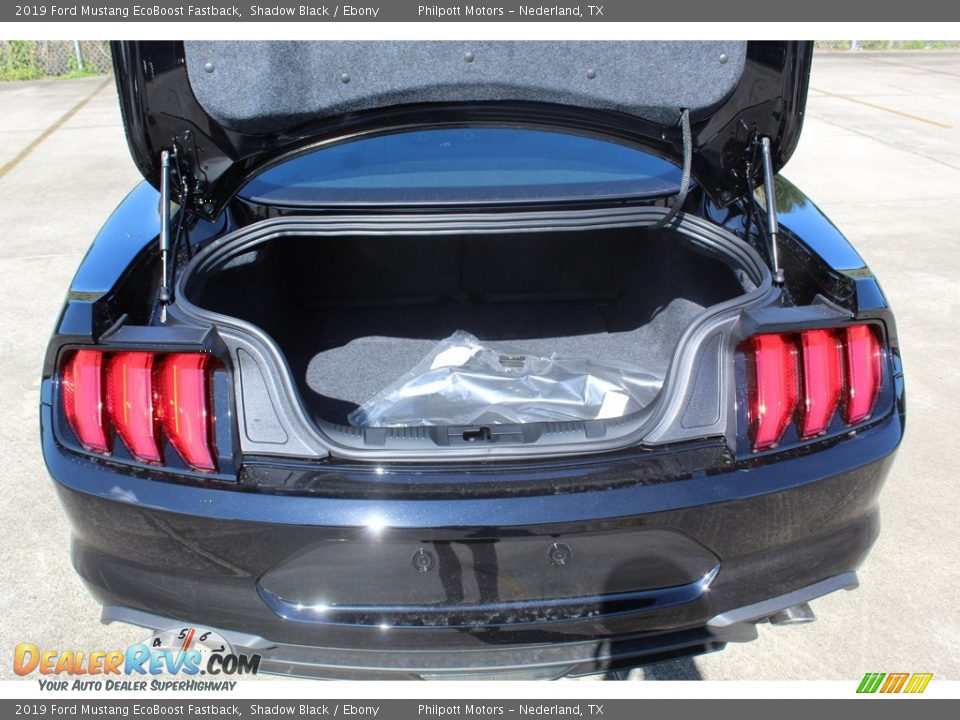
[[681, 669]]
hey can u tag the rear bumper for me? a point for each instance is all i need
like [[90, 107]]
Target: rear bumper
[[539, 661], [661, 569]]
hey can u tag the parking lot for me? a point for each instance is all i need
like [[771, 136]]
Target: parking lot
[[880, 153]]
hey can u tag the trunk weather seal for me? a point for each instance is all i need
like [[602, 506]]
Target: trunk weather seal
[[325, 438]]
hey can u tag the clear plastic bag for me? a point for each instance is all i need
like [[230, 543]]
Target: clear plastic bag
[[463, 382]]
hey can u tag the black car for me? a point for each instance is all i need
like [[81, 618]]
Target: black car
[[468, 358]]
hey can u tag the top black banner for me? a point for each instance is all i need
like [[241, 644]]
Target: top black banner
[[404, 11]]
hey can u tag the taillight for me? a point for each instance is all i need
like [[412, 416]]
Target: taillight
[[775, 398], [143, 396], [186, 411], [863, 373], [804, 377], [822, 380], [83, 399], [130, 401]]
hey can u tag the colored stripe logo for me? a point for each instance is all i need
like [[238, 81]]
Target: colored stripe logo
[[894, 683]]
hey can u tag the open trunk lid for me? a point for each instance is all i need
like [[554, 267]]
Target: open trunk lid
[[225, 110]]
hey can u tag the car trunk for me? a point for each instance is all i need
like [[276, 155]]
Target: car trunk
[[353, 313]]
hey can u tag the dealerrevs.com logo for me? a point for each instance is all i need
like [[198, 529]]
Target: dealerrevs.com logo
[[888, 683], [182, 652]]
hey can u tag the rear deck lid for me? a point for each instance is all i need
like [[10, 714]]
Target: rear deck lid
[[228, 109]]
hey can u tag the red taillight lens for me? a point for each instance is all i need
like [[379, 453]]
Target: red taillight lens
[[142, 394], [774, 397], [130, 402], [863, 372], [822, 380], [842, 363], [82, 384], [186, 408]]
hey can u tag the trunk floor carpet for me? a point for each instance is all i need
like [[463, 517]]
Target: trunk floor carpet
[[348, 355]]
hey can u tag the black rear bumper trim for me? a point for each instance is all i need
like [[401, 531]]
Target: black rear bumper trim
[[489, 614], [568, 658]]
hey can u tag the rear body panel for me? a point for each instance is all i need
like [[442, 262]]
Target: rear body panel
[[219, 558]]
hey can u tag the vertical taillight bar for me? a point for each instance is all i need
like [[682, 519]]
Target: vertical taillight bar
[[131, 403], [863, 372], [82, 383], [775, 391], [186, 415], [822, 380]]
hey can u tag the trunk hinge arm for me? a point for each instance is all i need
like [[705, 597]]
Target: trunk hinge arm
[[681, 195], [165, 294], [773, 224]]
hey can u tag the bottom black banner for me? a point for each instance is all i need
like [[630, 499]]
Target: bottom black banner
[[598, 709]]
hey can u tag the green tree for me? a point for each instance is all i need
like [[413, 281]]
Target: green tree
[[21, 61]]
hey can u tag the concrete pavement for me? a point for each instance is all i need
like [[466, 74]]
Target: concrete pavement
[[880, 153]]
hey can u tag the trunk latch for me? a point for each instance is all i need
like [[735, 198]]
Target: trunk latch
[[481, 434]]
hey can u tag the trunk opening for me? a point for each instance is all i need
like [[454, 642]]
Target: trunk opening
[[352, 313]]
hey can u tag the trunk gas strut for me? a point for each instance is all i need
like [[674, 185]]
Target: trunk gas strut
[[769, 230], [773, 225], [165, 294], [169, 247]]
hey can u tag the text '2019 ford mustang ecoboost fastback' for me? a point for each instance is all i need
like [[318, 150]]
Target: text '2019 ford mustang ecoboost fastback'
[[450, 359]]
